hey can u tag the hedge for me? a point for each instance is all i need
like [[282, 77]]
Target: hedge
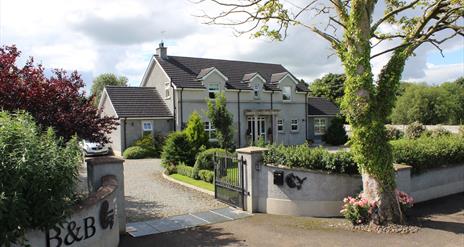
[[429, 152], [177, 149], [204, 160], [206, 175], [311, 158], [186, 171], [138, 152]]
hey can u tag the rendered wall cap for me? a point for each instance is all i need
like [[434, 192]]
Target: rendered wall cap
[[99, 160], [251, 149]]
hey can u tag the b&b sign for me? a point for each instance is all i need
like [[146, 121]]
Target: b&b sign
[[76, 231]]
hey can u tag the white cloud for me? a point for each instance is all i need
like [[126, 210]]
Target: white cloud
[[119, 36], [436, 74]]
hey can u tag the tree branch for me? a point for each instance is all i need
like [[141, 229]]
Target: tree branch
[[392, 13]]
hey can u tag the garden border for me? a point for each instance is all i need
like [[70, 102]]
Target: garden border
[[211, 193]]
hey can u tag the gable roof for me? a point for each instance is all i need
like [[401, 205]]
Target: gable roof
[[321, 106], [137, 102], [185, 71]]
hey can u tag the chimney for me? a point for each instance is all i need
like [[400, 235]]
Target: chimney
[[162, 51]]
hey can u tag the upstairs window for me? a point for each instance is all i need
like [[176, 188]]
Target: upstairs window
[[280, 125], [147, 127], [167, 93], [211, 131], [213, 89], [320, 125], [286, 93], [256, 91], [294, 125]]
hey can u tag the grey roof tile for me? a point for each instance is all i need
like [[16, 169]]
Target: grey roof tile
[[184, 71], [321, 106], [137, 102]]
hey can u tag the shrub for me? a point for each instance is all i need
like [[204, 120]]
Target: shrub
[[427, 152], [357, 210], [336, 134], [195, 132], [393, 133], [170, 169], [138, 152], [39, 173], [437, 132], [311, 158], [154, 143], [188, 171], [461, 130], [206, 175], [204, 159], [414, 130], [260, 142], [177, 149]]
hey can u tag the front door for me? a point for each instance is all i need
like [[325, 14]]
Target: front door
[[256, 128]]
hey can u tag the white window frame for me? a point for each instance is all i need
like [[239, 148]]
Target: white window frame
[[147, 130], [209, 129], [256, 91], [280, 123], [294, 122], [318, 126], [167, 93], [214, 90], [283, 93]]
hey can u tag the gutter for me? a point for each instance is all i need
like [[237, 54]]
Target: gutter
[[125, 136], [174, 106], [181, 109], [272, 118], [306, 115]]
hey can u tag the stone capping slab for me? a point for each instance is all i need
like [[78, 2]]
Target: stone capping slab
[[251, 150], [99, 160], [311, 171], [399, 167], [211, 193], [109, 185]]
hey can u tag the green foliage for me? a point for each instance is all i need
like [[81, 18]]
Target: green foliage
[[430, 104], [106, 79], [177, 149], [461, 130], [428, 152], [170, 169], [414, 130], [221, 119], [436, 132], [311, 158], [188, 171], [260, 142], [330, 86], [336, 134], [204, 160], [195, 132], [206, 175], [145, 147], [138, 152], [39, 173], [393, 133]]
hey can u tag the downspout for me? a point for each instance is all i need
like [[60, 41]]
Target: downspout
[[125, 136], [272, 118], [181, 109], [238, 117], [306, 115], [174, 106]]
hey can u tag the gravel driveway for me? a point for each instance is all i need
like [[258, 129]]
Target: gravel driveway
[[150, 196]]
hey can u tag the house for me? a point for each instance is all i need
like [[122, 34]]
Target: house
[[266, 101]]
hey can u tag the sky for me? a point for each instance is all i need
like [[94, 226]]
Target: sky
[[120, 36]]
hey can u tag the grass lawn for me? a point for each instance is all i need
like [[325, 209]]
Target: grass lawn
[[197, 183]]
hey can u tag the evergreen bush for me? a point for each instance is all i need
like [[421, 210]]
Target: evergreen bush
[[177, 149], [393, 133], [414, 130], [336, 134]]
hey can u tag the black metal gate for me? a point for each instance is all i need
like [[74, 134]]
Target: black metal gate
[[229, 180]]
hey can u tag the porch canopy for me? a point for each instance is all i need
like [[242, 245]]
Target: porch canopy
[[261, 112]]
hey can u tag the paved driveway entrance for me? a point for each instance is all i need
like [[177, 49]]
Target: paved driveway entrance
[[149, 196]]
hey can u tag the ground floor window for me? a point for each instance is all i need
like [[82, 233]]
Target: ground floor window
[[294, 125], [147, 127], [211, 131], [280, 125], [320, 126]]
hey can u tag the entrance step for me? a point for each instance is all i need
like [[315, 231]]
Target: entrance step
[[173, 223]]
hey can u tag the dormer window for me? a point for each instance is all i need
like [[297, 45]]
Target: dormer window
[[287, 93], [213, 89]]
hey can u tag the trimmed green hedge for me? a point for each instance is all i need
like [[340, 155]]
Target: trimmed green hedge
[[186, 171], [429, 152], [311, 158], [204, 160], [138, 152], [145, 147]]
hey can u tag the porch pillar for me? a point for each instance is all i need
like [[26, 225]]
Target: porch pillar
[[256, 129]]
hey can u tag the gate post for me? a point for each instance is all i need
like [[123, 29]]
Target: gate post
[[253, 156]]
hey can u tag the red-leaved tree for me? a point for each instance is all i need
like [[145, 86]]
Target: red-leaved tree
[[58, 101]]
